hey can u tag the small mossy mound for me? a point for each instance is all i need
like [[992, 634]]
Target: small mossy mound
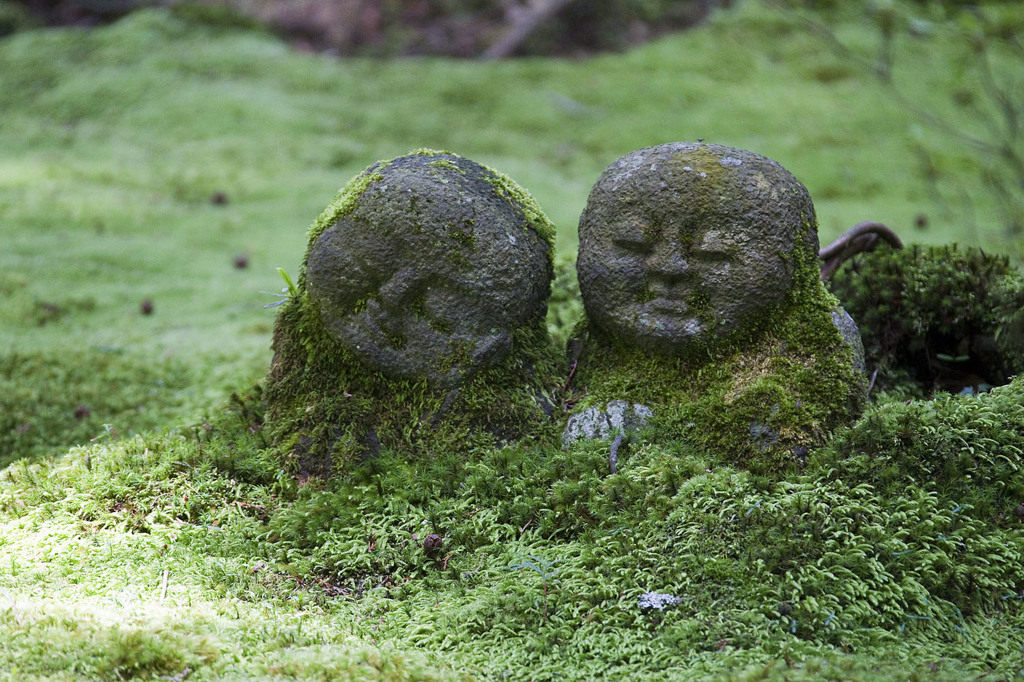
[[967, 449], [936, 318], [759, 398], [330, 402]]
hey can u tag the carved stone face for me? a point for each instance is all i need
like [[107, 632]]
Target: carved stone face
[[687, 243], [431, 271]]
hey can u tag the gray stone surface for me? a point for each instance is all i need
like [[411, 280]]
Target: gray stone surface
[[431, 271], [658, 601], [689, 242], [851, 335], [618, 416]]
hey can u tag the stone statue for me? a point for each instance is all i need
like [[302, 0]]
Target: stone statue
[[430, 272], [699, 275], [419, 317]]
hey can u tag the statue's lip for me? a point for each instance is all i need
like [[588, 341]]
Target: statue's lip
[[668, 305]]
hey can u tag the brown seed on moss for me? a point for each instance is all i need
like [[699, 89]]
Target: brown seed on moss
[[241, 261], [146, 307], [432, 544], [81, 412]]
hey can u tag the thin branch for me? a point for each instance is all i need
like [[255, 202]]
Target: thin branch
[[861, 237], [525, 20]]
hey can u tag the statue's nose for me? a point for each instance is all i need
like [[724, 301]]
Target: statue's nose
[[668, 261], [397, 290]]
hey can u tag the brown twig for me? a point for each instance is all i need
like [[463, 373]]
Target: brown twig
[[861, 237], [524, 20], [871, 384]]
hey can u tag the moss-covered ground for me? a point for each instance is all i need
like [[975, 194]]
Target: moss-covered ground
[[147, 532]]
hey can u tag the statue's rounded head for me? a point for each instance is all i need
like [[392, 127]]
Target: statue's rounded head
[[689, 243], [431, 269]]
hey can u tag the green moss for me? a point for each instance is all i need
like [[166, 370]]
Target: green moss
[[936, 318], [565, 307], [644, 296], [698, 301], [508, 187], [396, 341], [463, 234], [844, 570], [445, 163], [966, 448], [51, 401]]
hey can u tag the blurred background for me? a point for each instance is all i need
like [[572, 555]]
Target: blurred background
[[160, 160]]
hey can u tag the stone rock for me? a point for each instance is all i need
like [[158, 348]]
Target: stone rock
[[431, 271], [658, 601], [851, 336], [688, 242], [618, 416]]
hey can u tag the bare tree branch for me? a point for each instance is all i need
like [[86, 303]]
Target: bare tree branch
[[861, 237], [525, 21]]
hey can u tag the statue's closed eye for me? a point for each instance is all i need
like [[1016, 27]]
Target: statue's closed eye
[[716, 246], [635, 245], [634, 236]]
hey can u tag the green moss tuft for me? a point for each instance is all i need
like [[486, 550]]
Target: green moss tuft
[[936, 318], [445, 163], [565, 307], [535, 216], [968, 449]]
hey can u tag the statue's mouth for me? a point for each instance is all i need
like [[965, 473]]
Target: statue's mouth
[[668, 306]]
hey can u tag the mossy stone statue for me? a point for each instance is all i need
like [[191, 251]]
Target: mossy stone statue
[[419, 317], [700, 280], [430, 272]]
